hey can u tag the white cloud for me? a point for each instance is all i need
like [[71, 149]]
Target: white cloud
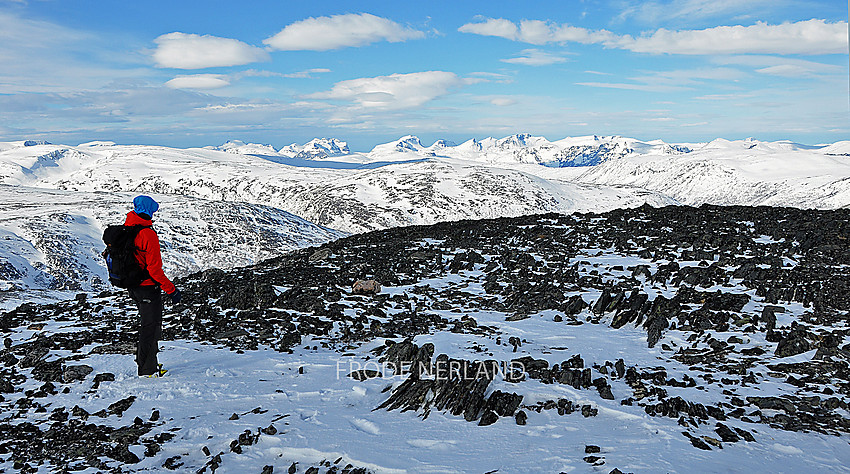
[[683, 77], [781, 66], [803, 37], [785, 70], [492, 27], [199, 81], [503, 101], [394, 92], [634, 87], [339, 31], [189, 51], [687, 10], [497, 78], [536, 31], [675, 80], [306, 74], [535, 57]]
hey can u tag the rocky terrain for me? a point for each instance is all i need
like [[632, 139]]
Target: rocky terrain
[[568, 341]]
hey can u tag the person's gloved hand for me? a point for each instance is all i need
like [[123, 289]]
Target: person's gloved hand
[[176, 296]]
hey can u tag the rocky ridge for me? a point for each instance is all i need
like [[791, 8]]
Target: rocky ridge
[[744, 311]]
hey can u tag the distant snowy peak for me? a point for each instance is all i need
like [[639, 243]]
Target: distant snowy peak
[[406, 144], [315, 149], [242, 148], [569, 152], [319, 148]]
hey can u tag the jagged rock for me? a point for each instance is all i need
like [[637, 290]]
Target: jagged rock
[[603, 388], [768, 316], [319, 255], [74, 373], [34, 355], [116, 348], [488, 418], [726, 434], [48, 371], [794, 343], [697, 442], [406, 357], [365, 374], [521, 418], [503, 403], [119, 407], [102, 377], [773, 403]]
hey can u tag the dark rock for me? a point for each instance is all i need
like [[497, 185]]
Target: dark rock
[[726, 434], [74, 373], [102, 377], [773, 403], [365, 374], [119, 407], [521, 418], [794, 343], [125, 348], [172, 463], [488, 418], [49, 371], [697, 442]]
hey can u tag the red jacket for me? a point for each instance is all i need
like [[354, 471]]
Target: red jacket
[[148, 254]]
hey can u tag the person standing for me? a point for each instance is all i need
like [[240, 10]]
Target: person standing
[[147, 295]]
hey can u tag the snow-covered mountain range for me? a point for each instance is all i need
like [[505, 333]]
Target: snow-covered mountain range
[[253, 190]]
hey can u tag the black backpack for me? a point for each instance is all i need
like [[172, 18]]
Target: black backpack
[[120, 254]]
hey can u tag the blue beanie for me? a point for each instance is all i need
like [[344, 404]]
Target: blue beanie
[[145, 205]]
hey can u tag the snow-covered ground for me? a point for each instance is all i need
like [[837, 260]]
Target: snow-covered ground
[[323, 418], [321, 414]]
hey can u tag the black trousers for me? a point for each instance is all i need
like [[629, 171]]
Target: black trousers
[[149, 301]]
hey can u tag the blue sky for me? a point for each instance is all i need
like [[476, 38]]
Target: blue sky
[[196, 73]]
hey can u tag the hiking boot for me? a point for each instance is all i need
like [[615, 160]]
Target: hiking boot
[[160, 372]]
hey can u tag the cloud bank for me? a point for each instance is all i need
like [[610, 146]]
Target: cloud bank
[[339, 31]]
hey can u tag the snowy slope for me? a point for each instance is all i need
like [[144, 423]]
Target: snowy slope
[[746, 172], [50, 240], [353, 193], [405, 182]]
